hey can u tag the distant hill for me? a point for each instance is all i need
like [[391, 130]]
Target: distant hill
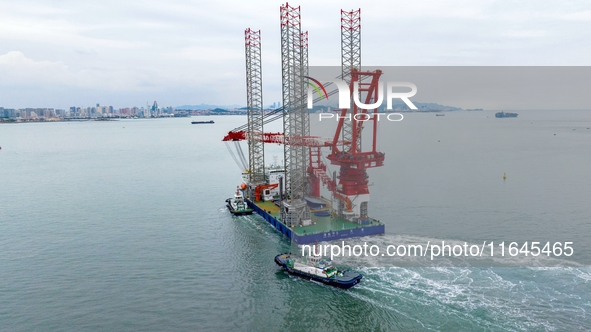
[[435, 107], [425, 107], [399, 105]]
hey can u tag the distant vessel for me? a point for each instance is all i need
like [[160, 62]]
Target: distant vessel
[[505, 115], [202, 122], [237, 205], [439, 114], [318, 269]]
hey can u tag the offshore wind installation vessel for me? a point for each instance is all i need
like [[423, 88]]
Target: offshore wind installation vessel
[[289, 197]]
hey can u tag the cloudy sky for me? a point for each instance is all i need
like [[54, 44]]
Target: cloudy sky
[[78, 53]]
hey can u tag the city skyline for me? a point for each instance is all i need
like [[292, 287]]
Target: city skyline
[[61, 54]]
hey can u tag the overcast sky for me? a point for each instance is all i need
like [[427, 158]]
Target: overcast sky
[[79, 53]]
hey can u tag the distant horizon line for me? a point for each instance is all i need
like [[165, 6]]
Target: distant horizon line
[[205, 107]]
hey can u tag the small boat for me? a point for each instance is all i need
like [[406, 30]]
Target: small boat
[[237, 205], [439, 114], [505, 115], [202, 122], [318, 269]]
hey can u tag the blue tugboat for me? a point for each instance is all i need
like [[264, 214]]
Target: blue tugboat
[[318, 269], [505, 115]]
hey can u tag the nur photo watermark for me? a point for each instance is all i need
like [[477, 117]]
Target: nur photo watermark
[[371, 92]]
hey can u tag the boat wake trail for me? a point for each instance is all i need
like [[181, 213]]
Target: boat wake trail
[[470, 298]]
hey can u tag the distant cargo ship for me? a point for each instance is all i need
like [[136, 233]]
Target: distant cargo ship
[[506, 115], [202, 122]]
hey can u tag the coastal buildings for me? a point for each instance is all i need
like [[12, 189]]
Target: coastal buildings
[[91, 112], [98, 111]]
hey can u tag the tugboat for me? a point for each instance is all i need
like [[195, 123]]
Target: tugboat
[[237, 205], [318, 269], [505, 115]]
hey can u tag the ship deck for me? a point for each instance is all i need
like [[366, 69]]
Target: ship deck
[[320, 224]]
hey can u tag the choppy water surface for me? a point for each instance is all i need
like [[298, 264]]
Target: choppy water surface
[[110, 226]]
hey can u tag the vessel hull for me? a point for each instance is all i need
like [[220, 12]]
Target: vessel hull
[[362, 230], [349, 280], [237, 212]]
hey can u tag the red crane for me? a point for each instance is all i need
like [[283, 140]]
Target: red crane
[[353, 163]]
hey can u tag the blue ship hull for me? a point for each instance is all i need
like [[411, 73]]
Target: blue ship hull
[[346, 281], [317, 237]]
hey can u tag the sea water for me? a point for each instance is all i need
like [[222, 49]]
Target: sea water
[[122, 225]]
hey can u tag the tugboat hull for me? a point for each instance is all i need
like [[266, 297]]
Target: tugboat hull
[[237, 212], [346, 281]]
